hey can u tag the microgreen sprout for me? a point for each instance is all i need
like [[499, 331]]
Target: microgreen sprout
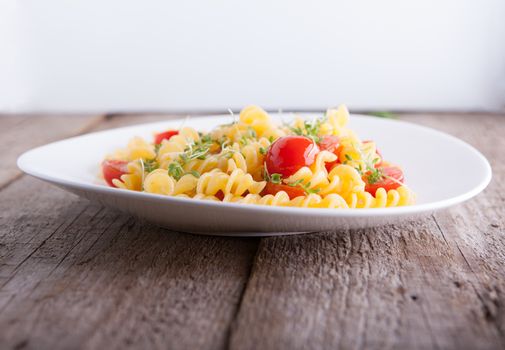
[[311, 128], [276, 178], [196, 150], [305, 187], [373, 176], [296, 183], [150, 165], [176, 171]]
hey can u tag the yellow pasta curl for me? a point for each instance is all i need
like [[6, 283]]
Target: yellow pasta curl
[[202, 165], [337, 120], [344, 180], [315, 176], [235, 160], [401, 196], [253, 123], [236, 183], [158, 181], [281, 198], [138, 148], [253, 157], [132, 180], [171, 149], [259, 120]]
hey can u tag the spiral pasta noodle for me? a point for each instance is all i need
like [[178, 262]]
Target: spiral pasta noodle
[[236, 183], [315, 176], [171, 149]]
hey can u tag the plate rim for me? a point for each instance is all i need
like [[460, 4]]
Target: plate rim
[[24, 166]]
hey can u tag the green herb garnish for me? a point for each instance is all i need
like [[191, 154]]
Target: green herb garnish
[[373, 176], [311, 190], [196, 150], [175, 170], [275, 178], [296, 183], [206, 139], [305, 187], [243, 140], [311, 128], [150, 165]]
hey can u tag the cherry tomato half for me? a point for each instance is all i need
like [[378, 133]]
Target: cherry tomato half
[[164, 136], [113, 169], [392, 179], [290, 153], [331, 144], [292, 191]]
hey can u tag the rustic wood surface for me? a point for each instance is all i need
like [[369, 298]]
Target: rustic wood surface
[[76, 275]]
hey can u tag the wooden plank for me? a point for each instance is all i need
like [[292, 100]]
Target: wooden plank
[[74, 274], [436, 283], [119, 120], [20, 133], [476, 232]]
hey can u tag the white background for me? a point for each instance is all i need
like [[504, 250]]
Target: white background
[[212, 55]]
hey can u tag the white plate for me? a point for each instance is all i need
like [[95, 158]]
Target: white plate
[[440, 168]]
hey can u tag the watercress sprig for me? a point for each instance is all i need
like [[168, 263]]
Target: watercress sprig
[[311, 128]]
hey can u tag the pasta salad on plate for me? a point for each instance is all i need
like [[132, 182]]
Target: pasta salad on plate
[[317, 163]]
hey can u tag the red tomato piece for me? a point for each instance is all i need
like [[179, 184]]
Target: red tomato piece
[[219, 195], [392, 179], [290, 153], [292, 191], [113, 169], [164, 136], [331, 144]]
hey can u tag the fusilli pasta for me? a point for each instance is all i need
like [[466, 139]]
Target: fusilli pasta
[[318, 163]]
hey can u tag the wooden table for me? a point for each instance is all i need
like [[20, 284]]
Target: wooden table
[[76, 275]]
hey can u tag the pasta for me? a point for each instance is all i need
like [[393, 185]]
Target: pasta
[[318, 163]]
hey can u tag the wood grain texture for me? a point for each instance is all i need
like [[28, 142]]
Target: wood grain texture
[[438, 283], [95, 278], [76, 275], [20, 133], [116, 121]]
